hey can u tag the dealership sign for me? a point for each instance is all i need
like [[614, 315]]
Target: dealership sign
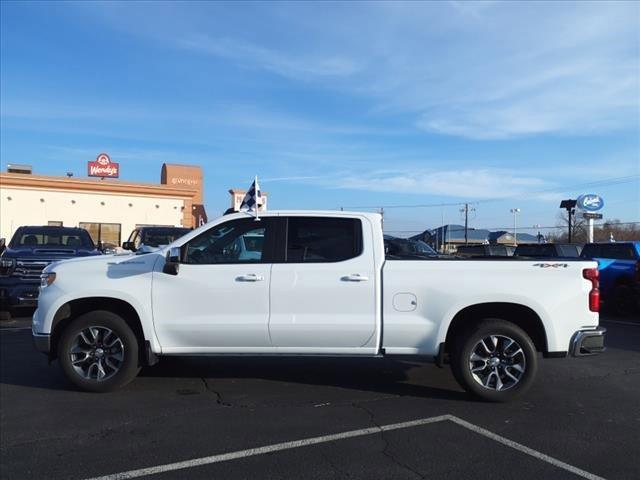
[[104, 167], [590, 202]]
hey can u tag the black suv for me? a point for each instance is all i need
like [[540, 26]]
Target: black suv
[[30, 250]]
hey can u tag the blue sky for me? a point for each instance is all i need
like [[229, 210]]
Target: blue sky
[[337, 104]]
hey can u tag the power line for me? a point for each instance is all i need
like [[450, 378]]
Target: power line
[[598, 183], [554, 227]]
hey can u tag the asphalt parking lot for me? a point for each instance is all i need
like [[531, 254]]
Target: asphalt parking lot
[[319, 418]]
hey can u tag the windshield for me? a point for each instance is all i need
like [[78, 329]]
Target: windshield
[[162, 236], [50, 238]]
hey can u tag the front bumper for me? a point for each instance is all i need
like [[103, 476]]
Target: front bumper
[[42, 342], [588, 342], [18, 294]]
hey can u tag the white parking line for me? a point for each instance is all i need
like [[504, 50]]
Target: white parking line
[[251, 452], [521, 448]]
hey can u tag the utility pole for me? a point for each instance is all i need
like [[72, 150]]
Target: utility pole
[[466, 211], [515, 212], [570, 207]]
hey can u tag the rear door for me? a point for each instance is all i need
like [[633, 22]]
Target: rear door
[[323, 294]]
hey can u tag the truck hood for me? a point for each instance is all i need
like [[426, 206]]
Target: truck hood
[[49, 253], [111, 266]]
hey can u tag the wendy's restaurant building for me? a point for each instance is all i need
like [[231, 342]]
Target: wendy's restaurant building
[[106, 206]]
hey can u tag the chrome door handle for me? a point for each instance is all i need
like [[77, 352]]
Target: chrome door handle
[[251, 277], [355, 277]]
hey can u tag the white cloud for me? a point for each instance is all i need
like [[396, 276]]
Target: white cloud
[[280, 62], [475, 184], [482, 70]]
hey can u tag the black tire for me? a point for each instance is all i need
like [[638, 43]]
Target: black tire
[[128, 350], [468, 342]]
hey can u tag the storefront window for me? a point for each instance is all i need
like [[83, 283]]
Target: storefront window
[[108, 233]]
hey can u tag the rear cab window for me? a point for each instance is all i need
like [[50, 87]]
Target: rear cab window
[[619, 251]]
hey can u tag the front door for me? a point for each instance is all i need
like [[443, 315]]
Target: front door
[[323, 296], [219, 299]]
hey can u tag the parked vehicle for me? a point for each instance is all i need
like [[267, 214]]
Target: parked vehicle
[[30, 250], [149, 239], [405, 247], [485, 250], [619, 266], [548, 250], [318, 283]]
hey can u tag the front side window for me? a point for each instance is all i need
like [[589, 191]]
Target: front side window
[[238, 241], [321, 240]]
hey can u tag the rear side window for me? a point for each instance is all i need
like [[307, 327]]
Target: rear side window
[[569, 250], [322, 240]]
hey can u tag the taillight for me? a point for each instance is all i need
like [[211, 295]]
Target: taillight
[[593, 275]]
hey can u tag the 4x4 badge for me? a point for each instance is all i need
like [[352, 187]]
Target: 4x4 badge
[[551, 265]]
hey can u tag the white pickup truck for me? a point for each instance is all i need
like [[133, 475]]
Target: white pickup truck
[[314, 283]]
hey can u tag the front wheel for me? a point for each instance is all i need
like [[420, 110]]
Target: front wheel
[[494, 360], [98, 352]]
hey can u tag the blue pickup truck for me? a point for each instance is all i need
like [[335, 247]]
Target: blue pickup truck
[[30, 250], [619, 268]]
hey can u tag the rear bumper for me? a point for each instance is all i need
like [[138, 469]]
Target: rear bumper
[[588, 342]]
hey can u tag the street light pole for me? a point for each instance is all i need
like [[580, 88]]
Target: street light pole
[[515, 212], [538, 237]]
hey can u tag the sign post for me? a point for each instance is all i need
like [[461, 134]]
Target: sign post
[[590, 203]]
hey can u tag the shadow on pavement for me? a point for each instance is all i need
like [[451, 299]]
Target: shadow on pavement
[[383, 376]]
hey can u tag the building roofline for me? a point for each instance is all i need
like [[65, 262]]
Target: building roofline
[[93, 185]]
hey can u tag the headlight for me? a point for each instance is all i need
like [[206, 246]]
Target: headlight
[[47, 279], [7, 265]]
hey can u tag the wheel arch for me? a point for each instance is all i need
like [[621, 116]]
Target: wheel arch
[[72, 309], [521, 315]]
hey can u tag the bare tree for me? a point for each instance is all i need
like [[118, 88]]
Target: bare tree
[[579, 232]]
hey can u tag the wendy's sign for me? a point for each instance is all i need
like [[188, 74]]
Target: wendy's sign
[[103, 167]]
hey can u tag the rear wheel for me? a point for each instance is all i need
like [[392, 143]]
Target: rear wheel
[[98, 352], [494, 360]]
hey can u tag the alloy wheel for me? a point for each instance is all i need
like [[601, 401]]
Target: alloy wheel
[[97, 353], [497, 362]]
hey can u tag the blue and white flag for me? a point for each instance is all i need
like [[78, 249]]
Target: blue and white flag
[[253, 199]]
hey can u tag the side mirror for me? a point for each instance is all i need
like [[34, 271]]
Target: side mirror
[[128, 246], [172, 262]]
